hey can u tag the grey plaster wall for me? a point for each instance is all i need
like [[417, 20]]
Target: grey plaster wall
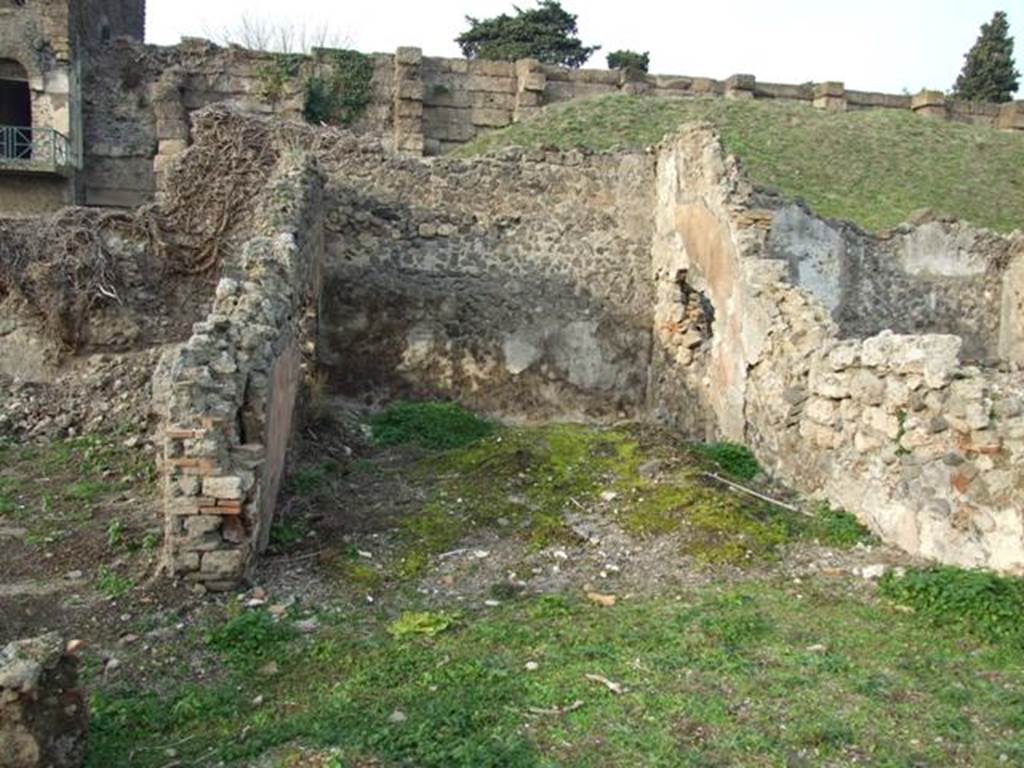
[[941, 277]]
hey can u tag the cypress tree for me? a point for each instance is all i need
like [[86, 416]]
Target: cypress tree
[[989, 73]]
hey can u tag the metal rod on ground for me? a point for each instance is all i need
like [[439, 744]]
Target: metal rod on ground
[[752, 492]]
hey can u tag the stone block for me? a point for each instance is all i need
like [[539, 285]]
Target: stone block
[[1011, 116], [409, 56], [740, 87], [881, 421], [930, 104], [225, 487], [821, 410], [43, 713], [223, 564], [493, 84], [866, 387], [489, 68], [830, 384], [409, 89], [535, 81], [491, 118]]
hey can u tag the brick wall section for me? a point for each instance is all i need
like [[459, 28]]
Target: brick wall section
[[233, 386]]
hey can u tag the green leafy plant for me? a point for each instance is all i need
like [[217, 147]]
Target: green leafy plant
[[115, 534], [733, 459], [438, 426], [982, 603], [250, 637], [546, 33], [340, 89], [420, 623], [285, 532], [838, 528], [113, 584], [629, 61], [275, 75]]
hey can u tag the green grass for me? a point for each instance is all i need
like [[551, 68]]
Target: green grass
[[978, 602], [759, 676], [436, 426], [872, 167]]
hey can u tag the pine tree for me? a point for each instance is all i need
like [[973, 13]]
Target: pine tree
[[546, 33], [989, 73]]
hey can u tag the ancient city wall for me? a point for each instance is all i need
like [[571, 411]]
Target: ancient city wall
[[925, 449], [230, 391], [139, 99]]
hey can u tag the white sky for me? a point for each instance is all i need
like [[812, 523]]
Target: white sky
[[885, 45]]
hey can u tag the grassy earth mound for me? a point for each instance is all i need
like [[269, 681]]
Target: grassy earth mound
[[872, 167]]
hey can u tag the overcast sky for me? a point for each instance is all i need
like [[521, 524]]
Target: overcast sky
[[885, 45]]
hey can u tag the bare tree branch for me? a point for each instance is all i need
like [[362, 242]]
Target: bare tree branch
[[262, 33]]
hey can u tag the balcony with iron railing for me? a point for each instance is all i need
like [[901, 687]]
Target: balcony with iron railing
[[35, 151]]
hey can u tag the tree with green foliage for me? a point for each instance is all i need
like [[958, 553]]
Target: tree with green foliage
[[546, 33], [989, 73], [629, 61]]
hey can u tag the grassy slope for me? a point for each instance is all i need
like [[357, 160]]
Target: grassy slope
[[873, 167]]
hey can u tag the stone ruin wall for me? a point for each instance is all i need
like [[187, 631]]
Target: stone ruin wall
[[138, 99], [928, 276], [228, 395], [516, 284], [926, 450]]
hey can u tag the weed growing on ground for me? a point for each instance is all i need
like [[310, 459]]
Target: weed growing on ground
[[289, 531], [733, 459], [981, 603], [435, 426], [250, 637], [113, 584]]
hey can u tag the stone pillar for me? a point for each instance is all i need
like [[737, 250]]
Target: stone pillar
[[1011, 116], [171, 121], [530, 84], [930, 104], [408, 118], [830, 96], [740, 87], [43, 715]]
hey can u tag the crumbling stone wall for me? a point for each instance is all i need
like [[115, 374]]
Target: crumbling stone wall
[[926, 450], [927, 276], [517, 284], [229, 392], [43, 713]]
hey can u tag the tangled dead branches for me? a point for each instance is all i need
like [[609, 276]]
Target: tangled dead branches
[[66, 269], [63, 266], [210, 191]]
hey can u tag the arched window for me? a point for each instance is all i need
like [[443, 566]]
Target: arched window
[[15, 112]]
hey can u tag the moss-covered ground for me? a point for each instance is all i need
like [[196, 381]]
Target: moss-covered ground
[[390, 637], [872, 167]]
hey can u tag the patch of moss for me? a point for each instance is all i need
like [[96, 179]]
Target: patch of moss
[[359, 574], [521, 481]]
